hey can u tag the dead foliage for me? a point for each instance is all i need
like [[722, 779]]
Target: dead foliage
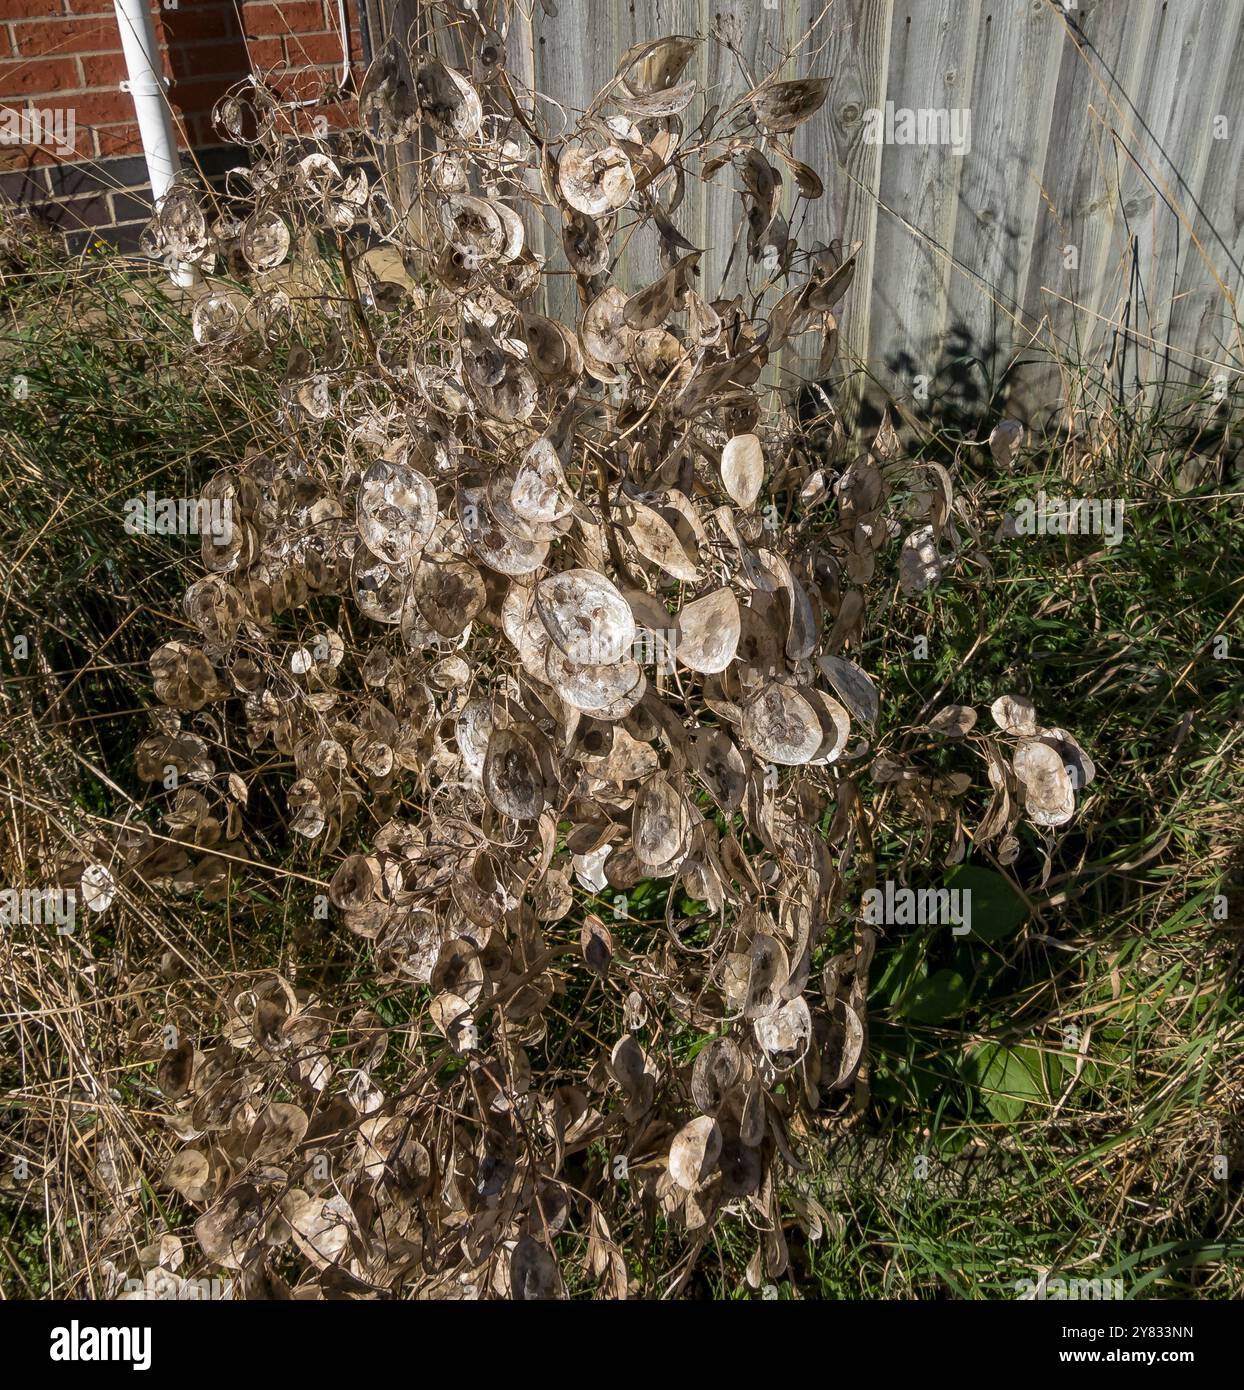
[[535, 605]]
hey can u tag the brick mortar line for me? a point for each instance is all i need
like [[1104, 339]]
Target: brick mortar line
[[47, 98], [25, 60], [59, 55]]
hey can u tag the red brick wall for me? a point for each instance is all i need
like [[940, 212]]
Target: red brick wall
[[66, 55]]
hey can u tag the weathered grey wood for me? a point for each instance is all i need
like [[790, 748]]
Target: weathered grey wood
[[930, 65], [1078, 266], [1000, 213], [1168, 137], [1092, 128], [1208, 191], [855, 55]]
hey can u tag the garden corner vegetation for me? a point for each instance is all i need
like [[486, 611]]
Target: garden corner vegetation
[[524, 782]]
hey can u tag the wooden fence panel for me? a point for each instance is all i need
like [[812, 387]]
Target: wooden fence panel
[[1099, 208]]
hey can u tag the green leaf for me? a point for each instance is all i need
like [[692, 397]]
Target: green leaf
[[997, 910], [1008, 1078], [903, 971], [943, 995]]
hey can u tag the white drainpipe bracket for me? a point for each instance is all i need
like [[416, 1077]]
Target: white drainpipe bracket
[[127, 86], [148, 87]]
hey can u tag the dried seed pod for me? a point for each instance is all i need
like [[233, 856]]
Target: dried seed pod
[[512, 778], [586, 243], [216, 319], [607, 691], [181, 225], [656, 66], [586, 617], [1014, 715], [718, 1066], [499, 549], [720, 766], [835, 724], [781, 106], [323, 1225], [953, 721], [785, 1033], [98, 887], [230, 1230], [1079, 766], [539, 492], [920, 565], [659, 824], [355, 883], [656, 540], [695, 1151], [264, 240], [781, 725], [596, 943], [533, 1272], [743, 469], [606, 336], [449, 594], [190, 1175], [707, 632], [768, 971], [379, 588], [447, 101], [855, 687], [279, 1128], [1049, 797], [741, 1169], [1004, 442], [397, 511], [475, 229], [595, 182], [173, 1073]]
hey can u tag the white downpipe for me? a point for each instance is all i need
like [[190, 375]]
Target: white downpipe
[[155, 121]]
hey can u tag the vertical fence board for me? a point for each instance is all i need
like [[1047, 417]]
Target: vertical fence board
[[1000, 213], [931, 59], [1211, 276], [855, 57], [1080, 268]]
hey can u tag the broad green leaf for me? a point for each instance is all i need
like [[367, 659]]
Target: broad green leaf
[[942, 996], [903, 971], [1007, 1078], [997, 910]]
